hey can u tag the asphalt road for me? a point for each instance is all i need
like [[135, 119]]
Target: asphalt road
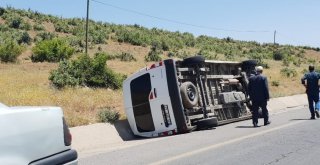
[[290, 139]]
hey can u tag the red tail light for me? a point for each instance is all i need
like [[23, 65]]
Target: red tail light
[[168, 133], [66, 133], [151, 96], [152, 66]]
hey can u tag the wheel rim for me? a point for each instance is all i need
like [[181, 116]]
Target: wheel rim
[[191, 92]]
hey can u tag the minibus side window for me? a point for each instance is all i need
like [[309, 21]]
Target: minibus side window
[[140, 90]]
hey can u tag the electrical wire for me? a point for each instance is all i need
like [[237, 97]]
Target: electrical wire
[[179, 22]]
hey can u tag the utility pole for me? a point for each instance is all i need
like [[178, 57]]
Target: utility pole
[[274, 42], [87, 26], [274, 37]]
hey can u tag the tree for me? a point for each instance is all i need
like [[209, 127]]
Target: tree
[[53, 50], [86, 71], [154, 53], [9, 51]]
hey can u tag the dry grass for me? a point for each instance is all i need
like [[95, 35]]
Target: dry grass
[[49, 27], [287, 86], [27, 83], [292, 85]]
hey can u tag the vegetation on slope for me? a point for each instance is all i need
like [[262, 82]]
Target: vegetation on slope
[[42, 52]]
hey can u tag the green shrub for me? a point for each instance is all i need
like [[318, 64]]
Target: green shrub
[[62, 27], [297, 62], [311, 61], [25, 38], [77, 43], [278, 56], [230, 55], [15, 22], [45, 36], [4, 28], [275, 83], [171, 54], [126, 57], [263, 64], [301, 53], [165, 45], [152, 56], [53, 50], [2, 10], [122, 56], [86, 71], [288, 60], [38, 27], [204, 53], [74, 21], [288, 72], [26, 26], [98, 36], [66, 75], [9, 51], [108, 115], [154, 53]]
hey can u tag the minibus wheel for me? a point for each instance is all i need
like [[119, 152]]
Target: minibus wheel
[[207, 123], [189, 94], [192, 61], [249, 63]]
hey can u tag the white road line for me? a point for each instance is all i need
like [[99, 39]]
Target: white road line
[[187, 154]]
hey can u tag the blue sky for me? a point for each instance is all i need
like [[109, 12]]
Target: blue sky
[[296, 21]]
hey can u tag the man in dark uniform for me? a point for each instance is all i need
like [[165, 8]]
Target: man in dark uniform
[[259, 95], [312, 89]]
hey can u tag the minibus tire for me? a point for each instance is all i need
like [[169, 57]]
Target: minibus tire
[[249, 63], [207, 123], [189, 94], [192, 61]]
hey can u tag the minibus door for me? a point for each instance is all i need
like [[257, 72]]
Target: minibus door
[[160, 101]]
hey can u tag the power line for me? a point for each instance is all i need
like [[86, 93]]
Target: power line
[[179, 22]]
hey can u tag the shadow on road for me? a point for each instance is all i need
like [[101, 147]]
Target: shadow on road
[[247, 126], [124, 131], [298, 119]]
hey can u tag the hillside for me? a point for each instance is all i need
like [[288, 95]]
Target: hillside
[[26, 82]]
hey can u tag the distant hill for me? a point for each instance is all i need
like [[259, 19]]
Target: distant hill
[[29, 27], [129, 48]]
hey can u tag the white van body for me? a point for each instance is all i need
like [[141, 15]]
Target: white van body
[[157, 94], [174, 96]]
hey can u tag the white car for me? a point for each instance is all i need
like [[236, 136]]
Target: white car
[[34, 136]]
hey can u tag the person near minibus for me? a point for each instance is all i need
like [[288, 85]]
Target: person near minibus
[[259, 95], [312, 89]]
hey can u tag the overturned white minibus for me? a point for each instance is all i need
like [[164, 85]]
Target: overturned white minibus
[[178, 96]]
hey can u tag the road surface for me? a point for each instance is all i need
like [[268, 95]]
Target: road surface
[[290, 139]]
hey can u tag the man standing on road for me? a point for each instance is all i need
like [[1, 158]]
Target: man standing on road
[[312, 89], [259, 95]]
